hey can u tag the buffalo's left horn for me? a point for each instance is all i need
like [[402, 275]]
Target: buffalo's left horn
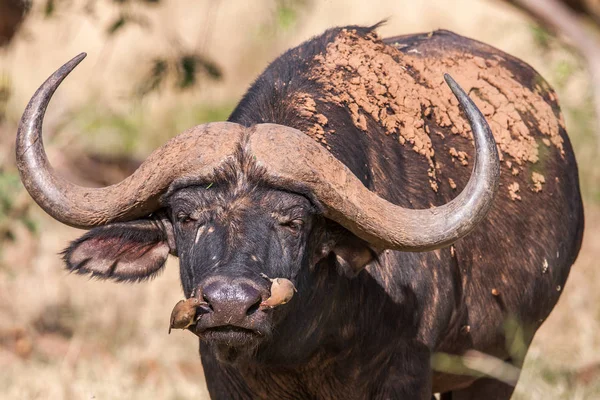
[[291, 156], [197, 151]]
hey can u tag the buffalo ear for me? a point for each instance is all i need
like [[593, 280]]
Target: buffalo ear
[[128, 251], [352, 255]]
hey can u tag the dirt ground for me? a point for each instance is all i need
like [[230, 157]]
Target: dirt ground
[[66, 337]]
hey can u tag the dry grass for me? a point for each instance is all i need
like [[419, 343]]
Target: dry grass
[[64, 337]]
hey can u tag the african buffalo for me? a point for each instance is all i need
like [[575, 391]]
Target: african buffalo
[[348, 169]]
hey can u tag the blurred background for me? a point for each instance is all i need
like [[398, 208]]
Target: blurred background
[[157, 67]]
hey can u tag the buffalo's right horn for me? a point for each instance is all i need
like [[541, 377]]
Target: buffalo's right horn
[[197, 150]]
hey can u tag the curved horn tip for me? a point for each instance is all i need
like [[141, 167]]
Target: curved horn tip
[[67, 68], [73, 62], [454, 86]]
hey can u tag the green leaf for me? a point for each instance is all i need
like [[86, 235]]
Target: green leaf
[[187, 71], [154, 78], [49, 8], [117, 25]]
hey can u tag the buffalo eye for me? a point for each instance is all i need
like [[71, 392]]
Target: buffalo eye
[[185, 218], [294, 225]]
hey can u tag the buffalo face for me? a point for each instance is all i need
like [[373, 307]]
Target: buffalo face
[[228, 234]]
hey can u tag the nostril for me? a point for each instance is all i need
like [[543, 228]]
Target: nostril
[[253, 308], [230, 300]]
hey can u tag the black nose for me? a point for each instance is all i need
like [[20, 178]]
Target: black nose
[[231, 301]]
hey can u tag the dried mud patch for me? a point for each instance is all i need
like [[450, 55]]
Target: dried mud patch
[[377, 82], [307, 108]]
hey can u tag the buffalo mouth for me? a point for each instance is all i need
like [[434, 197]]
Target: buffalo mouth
[[230, 335]]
